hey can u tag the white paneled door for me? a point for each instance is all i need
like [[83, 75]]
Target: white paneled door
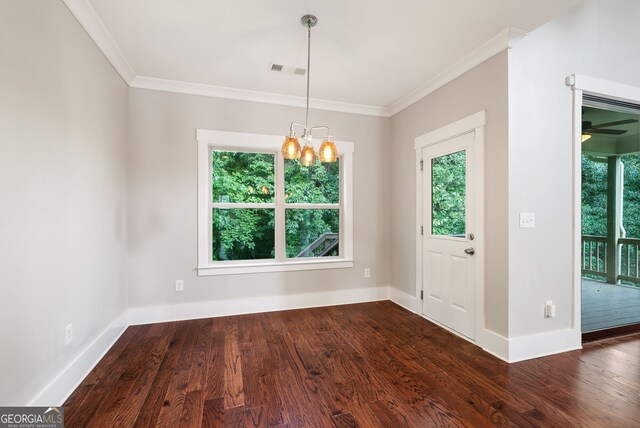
[[448, 236]]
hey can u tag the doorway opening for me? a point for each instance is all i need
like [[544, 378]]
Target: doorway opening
[[610, 210]]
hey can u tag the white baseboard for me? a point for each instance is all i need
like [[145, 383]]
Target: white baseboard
[[64, 383], [406, 300], [510, 350], [217, 308], [542, 344], [495, 344]]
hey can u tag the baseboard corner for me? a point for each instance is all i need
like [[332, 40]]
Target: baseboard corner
[[495, 344], [67, 380], [542, 344], [406, 300]]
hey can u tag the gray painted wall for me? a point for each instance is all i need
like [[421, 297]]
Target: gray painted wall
[[596, 38], [482, 88], [162, 216], [63, 131]]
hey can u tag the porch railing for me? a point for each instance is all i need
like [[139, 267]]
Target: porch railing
[[594, 257], [629, 259]]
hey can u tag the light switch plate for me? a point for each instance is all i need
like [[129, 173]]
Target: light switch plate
[[527, 220]]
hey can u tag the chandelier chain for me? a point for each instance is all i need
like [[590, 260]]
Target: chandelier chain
[[306, 121]]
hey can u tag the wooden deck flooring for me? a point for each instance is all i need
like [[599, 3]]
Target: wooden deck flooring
[[367, 365], [607, 305]]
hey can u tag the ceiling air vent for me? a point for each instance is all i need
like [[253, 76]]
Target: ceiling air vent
[[288, 69]]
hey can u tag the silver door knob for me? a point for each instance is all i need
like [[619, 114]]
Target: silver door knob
[[470, 251]]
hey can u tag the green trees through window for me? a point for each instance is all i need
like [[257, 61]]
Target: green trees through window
[[244, 200], [594, 196], [240, 233], [315, 230], [448, 194]]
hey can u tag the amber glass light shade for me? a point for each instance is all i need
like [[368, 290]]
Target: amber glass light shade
[[291, 147], [308, 156], [328, 151], [585, 137]]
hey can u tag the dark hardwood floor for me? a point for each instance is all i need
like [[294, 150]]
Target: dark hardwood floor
[[367, 365]]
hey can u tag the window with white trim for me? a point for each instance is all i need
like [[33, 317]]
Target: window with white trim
[[258, 212]]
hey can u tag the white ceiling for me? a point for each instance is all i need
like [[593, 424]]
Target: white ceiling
[[363, 52]]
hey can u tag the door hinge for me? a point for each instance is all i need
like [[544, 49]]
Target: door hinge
[[421, 230], [421, 294], [421, 165]]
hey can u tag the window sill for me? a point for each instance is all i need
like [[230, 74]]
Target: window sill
[[262, 267]]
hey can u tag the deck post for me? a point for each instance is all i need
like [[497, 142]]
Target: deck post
[[614, 217]]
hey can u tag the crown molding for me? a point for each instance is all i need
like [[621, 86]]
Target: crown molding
[[91, 22], [93, 25], [501, 41], [180, 87]]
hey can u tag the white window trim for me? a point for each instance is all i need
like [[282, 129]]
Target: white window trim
[[221, 140]]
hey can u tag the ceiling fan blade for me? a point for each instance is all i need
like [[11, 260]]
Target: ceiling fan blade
[[607, 131], [616, 123]]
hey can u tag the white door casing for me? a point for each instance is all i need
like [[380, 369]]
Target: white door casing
[[450, 280], [448, 257]]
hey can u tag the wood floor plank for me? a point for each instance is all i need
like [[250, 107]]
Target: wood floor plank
[[256, 417], [215, 368], [345, 420], [201, 360], [213, 413], [418, 375], [150, 410], [98, 373], [233, 385], [366, 365], [171, 410], [192, 409], [127, 412], [94, 403]]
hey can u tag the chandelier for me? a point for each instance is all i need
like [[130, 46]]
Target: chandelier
[[291, 146]]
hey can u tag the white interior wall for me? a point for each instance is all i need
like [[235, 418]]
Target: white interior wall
[[482, 88], [162, 216], [596, 38], [63, 131]]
